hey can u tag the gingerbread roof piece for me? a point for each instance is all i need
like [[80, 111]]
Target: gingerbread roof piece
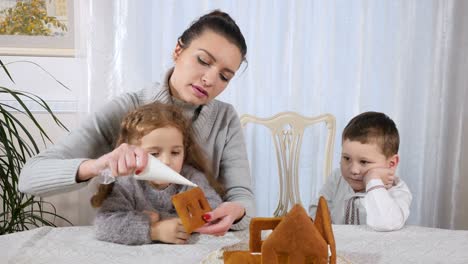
[[295, 238]]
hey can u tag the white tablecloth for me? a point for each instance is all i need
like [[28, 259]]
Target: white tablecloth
[[78, 245], [355, 244], [412, 244]]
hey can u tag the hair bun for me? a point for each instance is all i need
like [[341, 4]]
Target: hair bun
[[218, 13]]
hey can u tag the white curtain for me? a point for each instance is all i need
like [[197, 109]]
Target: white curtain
[[405, 58]]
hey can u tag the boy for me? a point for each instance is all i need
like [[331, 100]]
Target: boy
[[366, 190]]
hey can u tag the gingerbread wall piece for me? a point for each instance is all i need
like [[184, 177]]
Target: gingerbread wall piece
[[257, 225], [190, 206], [323, 224]]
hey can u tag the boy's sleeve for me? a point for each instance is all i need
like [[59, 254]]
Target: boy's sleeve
[[387, 210], [118, 220]]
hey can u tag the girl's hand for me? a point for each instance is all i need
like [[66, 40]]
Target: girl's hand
[[220, 220], [121, 161], [169, 231]]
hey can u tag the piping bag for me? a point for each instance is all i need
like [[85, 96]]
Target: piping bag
[[155, 171], [160, 173]]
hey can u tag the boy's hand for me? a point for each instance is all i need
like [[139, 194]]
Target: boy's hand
[[387, 175], [169, 231]]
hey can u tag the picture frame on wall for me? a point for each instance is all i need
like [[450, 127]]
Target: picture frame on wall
[[37, 28]]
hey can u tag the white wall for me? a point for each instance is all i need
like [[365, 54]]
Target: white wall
[[29, 77]]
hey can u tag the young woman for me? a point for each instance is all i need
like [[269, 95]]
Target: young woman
[[206, 57]]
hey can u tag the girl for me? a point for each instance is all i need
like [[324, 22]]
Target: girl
[[137, 212]]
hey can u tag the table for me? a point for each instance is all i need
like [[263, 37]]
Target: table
[[355, 244], [412, 244], [78, 245]]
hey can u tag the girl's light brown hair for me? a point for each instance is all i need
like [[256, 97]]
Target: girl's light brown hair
[[147, 118]]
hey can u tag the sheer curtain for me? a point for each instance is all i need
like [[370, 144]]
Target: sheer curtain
[[405, 58]]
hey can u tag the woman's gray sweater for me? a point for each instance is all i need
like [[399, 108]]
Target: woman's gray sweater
[[217, 129]]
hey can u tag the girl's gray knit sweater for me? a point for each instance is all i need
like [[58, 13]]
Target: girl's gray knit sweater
[[217, 129], [121, 220]]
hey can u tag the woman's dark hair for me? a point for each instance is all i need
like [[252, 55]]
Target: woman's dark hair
[[147, 118], [219, 22]]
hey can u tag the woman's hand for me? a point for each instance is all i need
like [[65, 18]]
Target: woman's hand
[[169, 231], [220, 220], [121, 161]]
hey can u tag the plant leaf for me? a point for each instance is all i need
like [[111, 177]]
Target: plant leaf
[[6, 71], [21, 211]]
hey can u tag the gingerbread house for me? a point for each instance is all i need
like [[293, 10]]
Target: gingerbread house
[[296, 238]]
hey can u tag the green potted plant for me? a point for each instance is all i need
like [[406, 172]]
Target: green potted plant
[[21, 211]]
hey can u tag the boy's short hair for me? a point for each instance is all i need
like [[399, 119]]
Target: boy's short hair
[[374, 127]]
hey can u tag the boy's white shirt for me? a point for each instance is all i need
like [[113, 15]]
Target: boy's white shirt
[[381, 209]]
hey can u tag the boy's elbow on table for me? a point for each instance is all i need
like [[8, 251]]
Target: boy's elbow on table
[[386, 223]]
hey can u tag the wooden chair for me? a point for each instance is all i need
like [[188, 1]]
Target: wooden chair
[[287, 129]]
